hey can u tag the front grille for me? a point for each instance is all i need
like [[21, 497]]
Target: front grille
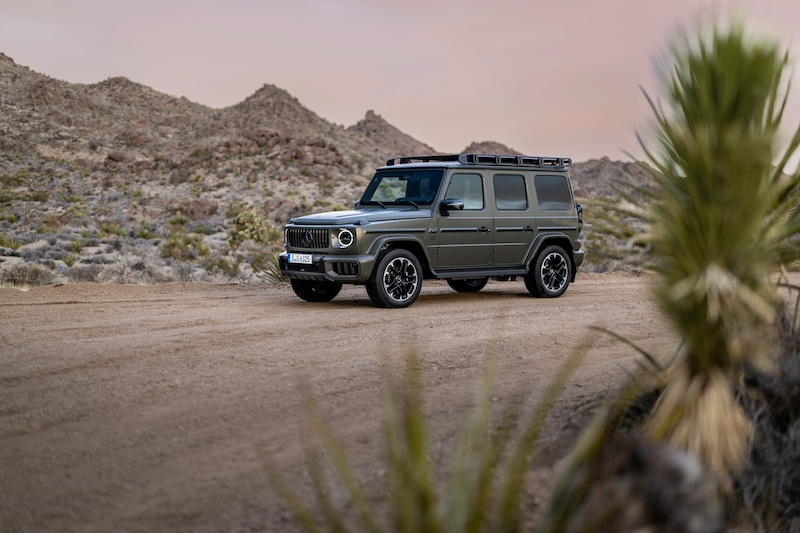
[[315, 238]]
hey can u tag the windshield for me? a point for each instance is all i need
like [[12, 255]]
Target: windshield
[[403, 187]]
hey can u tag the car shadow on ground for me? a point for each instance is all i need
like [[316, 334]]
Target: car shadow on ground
[[436, 296]]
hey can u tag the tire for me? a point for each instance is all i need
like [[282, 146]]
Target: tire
[[316, 291], [551, 273], [467, 285], [396, 281]]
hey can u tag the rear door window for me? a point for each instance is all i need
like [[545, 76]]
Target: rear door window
[[552, 193], [509, 192]]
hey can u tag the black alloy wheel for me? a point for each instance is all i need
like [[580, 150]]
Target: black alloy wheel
[[397, 279], [551, 273]]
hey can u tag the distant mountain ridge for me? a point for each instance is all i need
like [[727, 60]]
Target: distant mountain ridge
[[77, 157]]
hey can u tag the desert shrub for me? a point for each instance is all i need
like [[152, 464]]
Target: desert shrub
[[358, 162], [38, 196], [109, 227], [221, 265], [97, 259], [26, 275], [146, 231], [49, 224], [85, 273], [77, 245], [184, 247], [250, 226], [78, 208], [113, 244], [266, 266], [10, 242], [183, 271], [54, 255], [70, 259], [133, 270], [14, 180], [234, 209], [32, 255], [179, 220], [607, 249], [199, 208]]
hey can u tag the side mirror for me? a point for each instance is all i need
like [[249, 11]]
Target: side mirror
[[450, 204]]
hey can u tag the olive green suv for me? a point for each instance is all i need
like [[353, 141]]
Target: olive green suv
[[462, 218]]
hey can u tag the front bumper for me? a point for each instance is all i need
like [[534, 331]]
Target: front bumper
[[327, 267]]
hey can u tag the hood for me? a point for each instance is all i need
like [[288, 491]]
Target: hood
[[362, 217]]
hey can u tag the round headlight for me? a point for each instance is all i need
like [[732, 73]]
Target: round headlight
[[345, 238]]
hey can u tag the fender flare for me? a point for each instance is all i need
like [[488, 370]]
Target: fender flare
[[546, 239], [408, 241]]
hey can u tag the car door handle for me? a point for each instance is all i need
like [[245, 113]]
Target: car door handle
[[527, 228], [484, 229]]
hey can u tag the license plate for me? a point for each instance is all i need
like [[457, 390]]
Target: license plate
[[303, 259]]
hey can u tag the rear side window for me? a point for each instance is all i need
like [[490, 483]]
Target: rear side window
[[467, 187], [509, 192], [552, 193]]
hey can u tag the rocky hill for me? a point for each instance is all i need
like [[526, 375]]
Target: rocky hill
[[490, 147], [388, 137], [599, 177], [90, 173]]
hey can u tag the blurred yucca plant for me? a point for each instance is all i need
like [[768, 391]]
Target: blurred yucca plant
[[722, 218], [486, 473]]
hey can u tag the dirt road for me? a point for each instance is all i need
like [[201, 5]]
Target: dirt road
[[143, 408]]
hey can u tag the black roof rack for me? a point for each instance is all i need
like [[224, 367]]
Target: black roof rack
[[402, 160], [486, 159]]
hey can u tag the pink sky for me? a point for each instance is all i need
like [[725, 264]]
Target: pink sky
[[544, 77]]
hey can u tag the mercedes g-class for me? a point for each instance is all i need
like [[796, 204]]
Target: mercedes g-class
[[462, 218]]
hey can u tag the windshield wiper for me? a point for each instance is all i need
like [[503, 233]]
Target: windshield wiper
[[380, 203], [407, 201]]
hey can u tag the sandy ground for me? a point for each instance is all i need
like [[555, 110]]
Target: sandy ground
[[144, 408]]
